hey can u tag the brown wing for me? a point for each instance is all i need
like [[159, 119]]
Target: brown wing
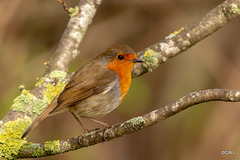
[[91, 79]]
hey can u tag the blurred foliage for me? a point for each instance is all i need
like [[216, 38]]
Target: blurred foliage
[[29, 34]]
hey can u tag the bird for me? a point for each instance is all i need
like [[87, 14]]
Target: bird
[[96, 89]]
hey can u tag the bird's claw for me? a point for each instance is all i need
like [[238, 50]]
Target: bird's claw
[[105, 132], [83, 134]]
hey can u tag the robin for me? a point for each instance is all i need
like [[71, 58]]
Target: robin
[[96, 89]]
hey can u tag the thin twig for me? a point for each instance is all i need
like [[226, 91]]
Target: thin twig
[[64, 6]]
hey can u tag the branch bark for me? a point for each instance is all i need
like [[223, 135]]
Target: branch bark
[[68, 47], [31, 103], [133, 125]]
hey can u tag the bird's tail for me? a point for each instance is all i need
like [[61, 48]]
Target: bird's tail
[[41, 117]]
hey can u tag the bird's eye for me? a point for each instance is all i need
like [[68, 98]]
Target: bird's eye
[[120, 57]]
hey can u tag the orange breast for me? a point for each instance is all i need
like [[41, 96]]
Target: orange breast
[[123, 70]]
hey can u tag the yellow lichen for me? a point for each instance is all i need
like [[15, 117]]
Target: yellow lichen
[[151, 59], [52, 91], [58, 74], [73, 11], [23, 101], [52, 147], [26, 102], [174, 33], [40, 81], [10, 137]]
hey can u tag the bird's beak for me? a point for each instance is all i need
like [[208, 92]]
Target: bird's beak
[[137, 60]]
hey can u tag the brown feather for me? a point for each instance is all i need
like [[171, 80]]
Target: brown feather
[[87, 81]]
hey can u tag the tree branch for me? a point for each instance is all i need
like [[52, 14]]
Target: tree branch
[[186, 37], [67, 49], [133, 125]]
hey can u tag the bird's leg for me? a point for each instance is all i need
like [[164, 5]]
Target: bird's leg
[[100, 122], [85, 130], [104, 124]]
